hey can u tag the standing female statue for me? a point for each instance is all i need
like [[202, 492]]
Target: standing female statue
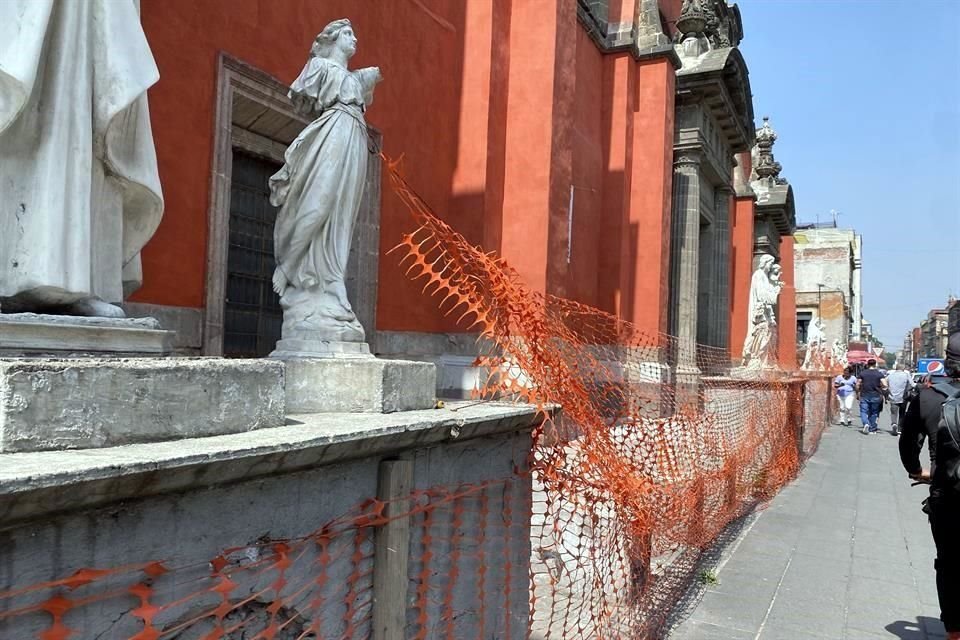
[[319, 189], [79, 188], [760, 347]]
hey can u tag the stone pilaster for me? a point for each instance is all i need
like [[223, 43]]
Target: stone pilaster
[[684, 255], [649, 33], [720, 301]]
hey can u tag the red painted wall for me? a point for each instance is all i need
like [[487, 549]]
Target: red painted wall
[[651, 194], [787, 322], [418, 111], [742, 259], [588, 243]]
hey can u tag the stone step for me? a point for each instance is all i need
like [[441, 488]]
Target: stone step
[[80, 403]]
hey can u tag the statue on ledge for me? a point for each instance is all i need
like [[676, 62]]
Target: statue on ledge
[[79, 189], [760, 346], [319, 189], [814, 358]]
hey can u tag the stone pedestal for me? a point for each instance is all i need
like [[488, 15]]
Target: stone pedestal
[[81, 403], [305, 346], [32, 334], [358, 385]]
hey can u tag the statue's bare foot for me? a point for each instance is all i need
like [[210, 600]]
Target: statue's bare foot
[[95, 307]]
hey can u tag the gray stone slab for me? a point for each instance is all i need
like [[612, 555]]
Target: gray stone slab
[[706, 631], [80, 403], [45, 335], [901, 574], [37, 483], [806, 615], [731, 611], [358, 385]]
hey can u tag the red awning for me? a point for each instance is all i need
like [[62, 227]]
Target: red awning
[[859, 357]]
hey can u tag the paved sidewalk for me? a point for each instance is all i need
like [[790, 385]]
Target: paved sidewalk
[[842, 552]]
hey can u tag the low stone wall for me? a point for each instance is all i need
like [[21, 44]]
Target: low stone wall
[[301, 492]]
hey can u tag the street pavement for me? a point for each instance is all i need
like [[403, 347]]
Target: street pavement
[[843, 552]]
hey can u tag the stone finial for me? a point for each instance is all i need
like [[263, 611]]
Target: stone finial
[[717, 23], [693, 17], [766, 167]]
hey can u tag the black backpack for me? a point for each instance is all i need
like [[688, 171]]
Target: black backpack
[[948, 437]]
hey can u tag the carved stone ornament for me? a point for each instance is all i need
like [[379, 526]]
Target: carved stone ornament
[[693, 18], [765, 166], [712, 20]]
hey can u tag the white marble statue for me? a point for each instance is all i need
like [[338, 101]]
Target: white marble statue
[[319, 189], [760, 346], [813, 360], [79, 189]]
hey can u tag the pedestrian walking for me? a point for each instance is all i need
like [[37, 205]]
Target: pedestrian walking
[[899, 384], [934, 414], [845, 386], [871, 387]]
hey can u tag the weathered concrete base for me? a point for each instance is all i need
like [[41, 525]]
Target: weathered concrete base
[[44, 335], [301, 348], [184, 502], [358, 385], [50, 404], [185, 322]]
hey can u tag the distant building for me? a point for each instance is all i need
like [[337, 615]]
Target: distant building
[[934, 330], [907, 356], [827, 264], [953, 316]]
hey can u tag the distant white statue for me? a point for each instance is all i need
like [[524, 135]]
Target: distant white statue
[[79, 189], [760, 346], [319, 189], [839, 353], [813, 360]]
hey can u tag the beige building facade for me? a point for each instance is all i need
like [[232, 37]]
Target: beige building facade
[[827, 264]]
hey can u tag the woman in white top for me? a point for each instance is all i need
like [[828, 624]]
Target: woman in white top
[[845, 386]]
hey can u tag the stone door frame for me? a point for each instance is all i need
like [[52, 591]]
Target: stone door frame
[[233, 77]]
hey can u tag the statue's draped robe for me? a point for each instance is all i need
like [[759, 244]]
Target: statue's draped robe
[[760, 347], [320, 186], [79, 189]]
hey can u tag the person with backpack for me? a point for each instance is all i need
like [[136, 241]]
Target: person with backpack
[[934, 414]]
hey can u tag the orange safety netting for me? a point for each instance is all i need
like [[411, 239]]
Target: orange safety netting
[[656, 451]]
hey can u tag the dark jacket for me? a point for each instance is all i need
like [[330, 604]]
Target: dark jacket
[[922, 422]]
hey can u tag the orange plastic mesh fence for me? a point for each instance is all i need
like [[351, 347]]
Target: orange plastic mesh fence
[[654, 454]]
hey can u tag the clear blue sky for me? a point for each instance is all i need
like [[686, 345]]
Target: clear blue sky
[[865, 98]]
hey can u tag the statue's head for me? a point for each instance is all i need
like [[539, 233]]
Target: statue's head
[[765, 262], [336, 35]]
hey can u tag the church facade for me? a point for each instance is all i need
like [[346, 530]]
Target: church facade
[[607, 150]]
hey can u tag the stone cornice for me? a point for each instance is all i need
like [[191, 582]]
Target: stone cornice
[[622, 38], [775, 202], [719, 79]]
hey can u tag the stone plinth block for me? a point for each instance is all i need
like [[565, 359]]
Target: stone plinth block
[[48, 404], [359, 385], [34, 334]]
